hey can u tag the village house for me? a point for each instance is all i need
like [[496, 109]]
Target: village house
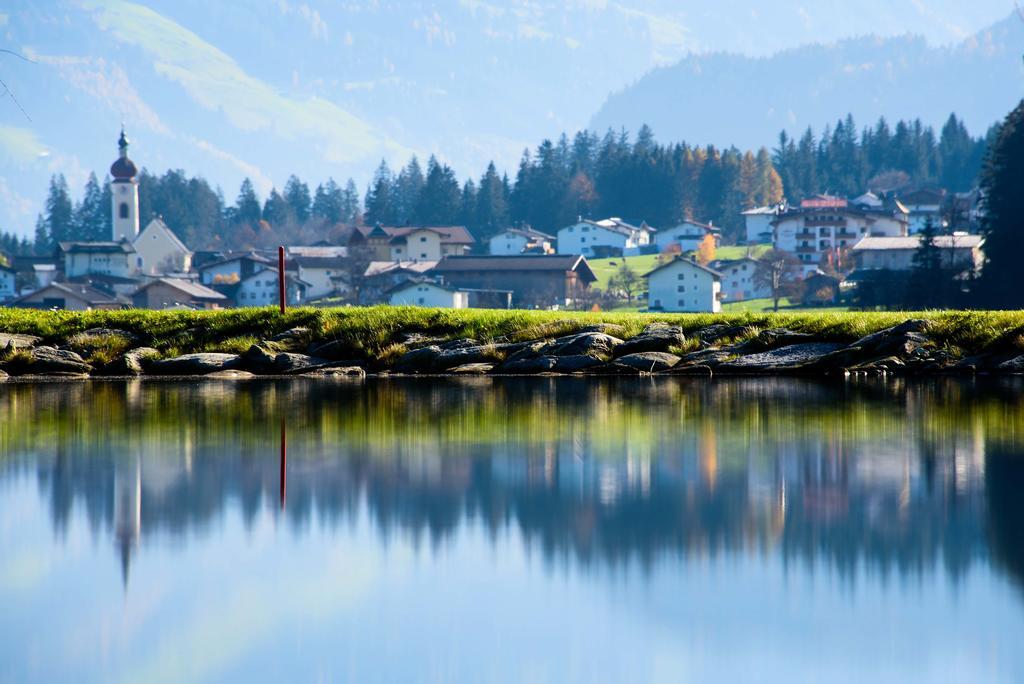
[[233, 268], [604, 238], [758, 223], [541, 281], [738, 279], [166, 293], [68, 296], [687, 236], [959, 250], [512, 241], [161, 251], [261, 289], [8, 277], [99, 258], [380, 276], [323, 267], [412, 243], [924, 206], [683, 285], [426, 292], [822, 229]]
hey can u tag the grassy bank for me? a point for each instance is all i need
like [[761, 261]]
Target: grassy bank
[[375, 332]]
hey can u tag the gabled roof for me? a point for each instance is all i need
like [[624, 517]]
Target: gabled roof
[[316, 251], [686, 261], [98, 247], [85, 293], [272, 273], [376, 268], [188, 287], [706, 227], [769, 210], [914, 242], [418, 280], [526, 232], [318, 262], [450, 235], [518, 263], [250, 256], [721, 264], [614, 225], [158, 224]]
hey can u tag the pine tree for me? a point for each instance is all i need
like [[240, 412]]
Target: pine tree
[[328, 202], [439, 202], [350, 209], [90, 222], [926, 285], [277, 211], [379, 203], [491, 205], [43, 244], [247, 206], [467, 205], [407, 189], [59, 212], [1003, 223], [296, 194]]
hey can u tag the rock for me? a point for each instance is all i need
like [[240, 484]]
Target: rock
[[473, 369], [575, 363], [292, 339], [354, 372], [591, 344], [527, 350], [648, 362], [11, 341], [258, 360], [109, 332], [196, 364], [652, 339], [461, 343], [417, 360], [132, 362], [47, 360], [791, 357], [712, 334], [699, 370], [415, 340], [605, 328], [773, 338], [482, 353], [891, 340], [229, 375], [287, 362], [3, 376], [335, 350], [706, 357], [1014, 365], [528, 366]]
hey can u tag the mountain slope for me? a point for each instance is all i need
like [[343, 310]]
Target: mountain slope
[[321, 88], [733, 99]]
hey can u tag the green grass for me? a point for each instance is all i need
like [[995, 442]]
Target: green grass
[[606, 268], [375, 331], [740, 251], [767, 305]]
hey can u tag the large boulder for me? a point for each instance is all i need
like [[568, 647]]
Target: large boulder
[[528, 366], [292, 339], [792, 357], [335, 350], [417, 360], [773, 338], [594, 344], [647, 362], [716, 333], [45, 361], [12, 341], [289, 362], [472, 369], [348, 372], [195, 364], [900, 339], [132, 362], [654, 338], [576, 363]]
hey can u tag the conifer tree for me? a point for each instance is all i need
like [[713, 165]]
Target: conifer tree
[[1003, 224]]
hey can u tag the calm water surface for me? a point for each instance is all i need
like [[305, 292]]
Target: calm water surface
[[544, 530]]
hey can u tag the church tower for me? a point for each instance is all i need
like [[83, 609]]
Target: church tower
[[124, 194]]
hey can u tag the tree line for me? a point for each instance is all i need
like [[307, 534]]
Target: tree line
[[586, 175], [844, 161]]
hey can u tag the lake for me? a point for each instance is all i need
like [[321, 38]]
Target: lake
[[511, 530]]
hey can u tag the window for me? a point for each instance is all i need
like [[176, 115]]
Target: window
[[423, 255], [585, 229], [682, 276], [682, 302], [421, 300], [423, 239], [122, 211], [681, 288], [582, 240]]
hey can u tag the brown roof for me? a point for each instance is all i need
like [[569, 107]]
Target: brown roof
[[682, 259], [525, 262], [455, 235], [192, 289]]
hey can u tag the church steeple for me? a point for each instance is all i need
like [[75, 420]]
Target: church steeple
[[125, 194]]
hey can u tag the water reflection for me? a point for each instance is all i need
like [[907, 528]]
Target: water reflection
[[859, 482]]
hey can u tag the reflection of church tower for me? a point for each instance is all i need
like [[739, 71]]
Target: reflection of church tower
[[127, 512], [124, 195]]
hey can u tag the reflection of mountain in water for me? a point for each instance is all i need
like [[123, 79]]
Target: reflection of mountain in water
[[892, 478]]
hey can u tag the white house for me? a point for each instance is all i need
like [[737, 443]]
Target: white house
[[738, 280], [688, 235], [608, 237], [161, 250], [422, 292], [512, 241], [897, 253], [232, 268], [924, 206], [7, 287], [759, 223], [260, 289], [684, 285], [68, 296], [100, 258], [322, 267], [823, 228]]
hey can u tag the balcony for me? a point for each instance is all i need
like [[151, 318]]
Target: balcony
[[809, 249], [805, 235]]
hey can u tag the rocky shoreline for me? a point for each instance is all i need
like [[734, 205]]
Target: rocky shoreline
[[660, 349]]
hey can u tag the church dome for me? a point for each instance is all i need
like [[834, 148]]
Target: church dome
[[124, 168]]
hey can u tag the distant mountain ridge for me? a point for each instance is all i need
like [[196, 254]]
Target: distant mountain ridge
[[731, 99]]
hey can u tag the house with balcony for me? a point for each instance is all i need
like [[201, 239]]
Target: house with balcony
[[412, 243], [822, 230]]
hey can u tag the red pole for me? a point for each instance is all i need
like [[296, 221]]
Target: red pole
[[280, 278], [284, 465]]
